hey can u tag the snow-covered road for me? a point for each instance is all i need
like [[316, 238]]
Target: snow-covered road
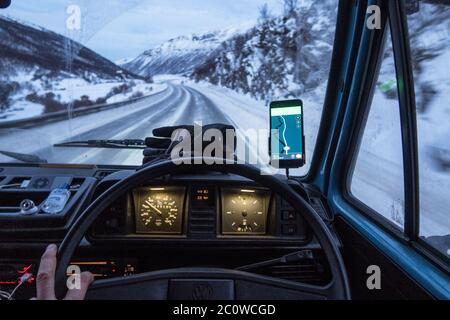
[[176, 105]]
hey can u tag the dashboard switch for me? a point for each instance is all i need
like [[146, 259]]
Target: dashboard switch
[[289, 229], [288, 215]]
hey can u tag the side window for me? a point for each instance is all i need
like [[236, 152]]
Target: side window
[[377, 179], [429, 31]]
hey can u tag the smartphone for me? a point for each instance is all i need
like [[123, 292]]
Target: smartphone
[[287, 138]]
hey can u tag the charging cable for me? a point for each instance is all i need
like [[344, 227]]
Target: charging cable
[[10, 296]]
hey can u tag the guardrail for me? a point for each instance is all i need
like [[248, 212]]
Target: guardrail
[[51, 117]]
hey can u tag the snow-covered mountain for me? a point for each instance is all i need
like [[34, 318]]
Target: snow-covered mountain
[[182, 54]]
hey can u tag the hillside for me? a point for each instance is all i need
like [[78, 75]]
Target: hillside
[[26, 47], [42, 71], [282, 56]]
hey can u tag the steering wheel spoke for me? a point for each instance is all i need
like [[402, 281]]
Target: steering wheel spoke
[[204, 284]]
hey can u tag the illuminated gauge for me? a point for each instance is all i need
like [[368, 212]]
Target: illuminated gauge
[[159, 210], [244, 212]]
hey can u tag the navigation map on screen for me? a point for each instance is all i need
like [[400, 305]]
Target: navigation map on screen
[[287, 133]]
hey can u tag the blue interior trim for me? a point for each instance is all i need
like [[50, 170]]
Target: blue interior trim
[[435, 281], [319, 179]]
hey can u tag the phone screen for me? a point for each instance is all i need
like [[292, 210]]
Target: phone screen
[[287, 137]]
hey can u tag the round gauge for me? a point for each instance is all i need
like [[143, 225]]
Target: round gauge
[[159, 212], [245, 214]]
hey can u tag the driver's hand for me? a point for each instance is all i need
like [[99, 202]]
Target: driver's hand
[[45, 280]]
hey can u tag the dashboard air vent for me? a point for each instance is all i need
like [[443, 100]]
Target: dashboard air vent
[[311, 273], [202, 224], [318, 206], [16, 183], [76, 183], [312, 269]]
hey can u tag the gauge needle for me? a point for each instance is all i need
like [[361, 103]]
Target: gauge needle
[[156, 209]]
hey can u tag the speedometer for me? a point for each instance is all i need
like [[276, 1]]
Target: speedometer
[[159, 210]]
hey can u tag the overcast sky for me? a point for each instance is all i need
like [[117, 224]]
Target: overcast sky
[[123, 29]]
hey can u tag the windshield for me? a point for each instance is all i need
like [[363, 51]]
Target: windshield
[[83, 70]]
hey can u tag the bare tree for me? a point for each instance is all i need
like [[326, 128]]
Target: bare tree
[[264, 13], [289, 7]]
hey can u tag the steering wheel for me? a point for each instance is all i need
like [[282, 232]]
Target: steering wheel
[[204, 283]]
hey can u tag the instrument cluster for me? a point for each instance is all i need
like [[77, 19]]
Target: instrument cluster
[[162, 210], [201, 212]]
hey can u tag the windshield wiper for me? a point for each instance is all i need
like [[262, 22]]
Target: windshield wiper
[[28, 158], [105, 144]]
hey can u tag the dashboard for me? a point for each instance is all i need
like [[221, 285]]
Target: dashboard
[[216, 207], [160, 210], [204, 219]]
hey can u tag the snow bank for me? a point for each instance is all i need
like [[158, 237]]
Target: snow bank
[[69, 90]]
